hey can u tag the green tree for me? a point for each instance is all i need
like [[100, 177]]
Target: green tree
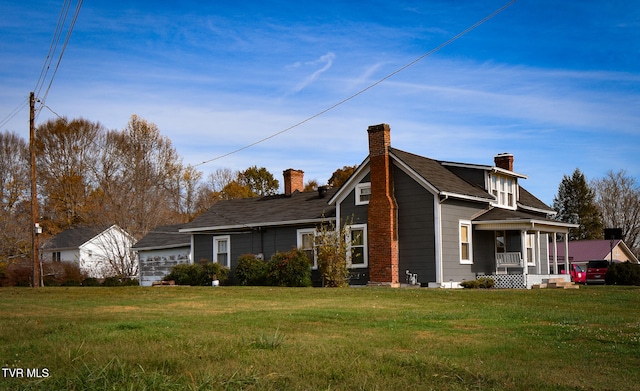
[[340, 176], [575, 203], [259, 181]]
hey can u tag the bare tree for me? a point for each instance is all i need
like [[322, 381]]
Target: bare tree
[[618, 198], [137, 178], [109, 254], [15, 233]]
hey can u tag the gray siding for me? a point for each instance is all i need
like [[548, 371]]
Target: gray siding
[[416, 233], [266, 241], [452, 211]]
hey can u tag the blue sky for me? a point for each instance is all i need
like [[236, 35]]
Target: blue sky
[[555, 83]]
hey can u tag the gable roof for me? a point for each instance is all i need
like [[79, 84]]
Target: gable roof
[[585, 250], [297, 208], [166, 236], [442, 179], [73, 238]]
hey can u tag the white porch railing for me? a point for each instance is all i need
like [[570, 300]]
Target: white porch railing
[[508, 259]]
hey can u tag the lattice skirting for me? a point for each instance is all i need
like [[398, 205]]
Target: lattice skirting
[[507, 281]]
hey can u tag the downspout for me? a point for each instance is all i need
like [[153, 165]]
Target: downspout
[[438, 239]]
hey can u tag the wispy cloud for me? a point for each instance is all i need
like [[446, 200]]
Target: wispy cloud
[[324, 61]]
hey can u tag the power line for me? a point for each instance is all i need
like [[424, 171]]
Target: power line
[[53, 47], [14, 112], [345, 100]]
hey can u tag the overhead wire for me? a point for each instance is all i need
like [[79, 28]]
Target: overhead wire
[[362, 91], [64, 47]]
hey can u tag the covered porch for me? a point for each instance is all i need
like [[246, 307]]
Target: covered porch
[[519, 257]]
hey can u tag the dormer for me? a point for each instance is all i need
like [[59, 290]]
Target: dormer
[[502, 182]]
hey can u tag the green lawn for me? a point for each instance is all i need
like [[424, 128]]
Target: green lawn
[[236, 338]]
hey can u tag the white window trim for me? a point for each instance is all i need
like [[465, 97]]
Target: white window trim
[[365, 245], [217, 239], [466, 223], [300, 233], [495, 189], [530, 243], [359, 187]]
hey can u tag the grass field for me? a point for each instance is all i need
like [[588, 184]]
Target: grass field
[[236, 338]]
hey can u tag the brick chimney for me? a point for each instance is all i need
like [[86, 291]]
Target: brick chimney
[[382, 211], [293, 180], [504, 160]]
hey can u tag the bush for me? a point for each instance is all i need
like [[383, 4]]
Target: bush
[[90, 281], [625, 273], [251, 270], [197, 274], [292, 268], [480, 283]]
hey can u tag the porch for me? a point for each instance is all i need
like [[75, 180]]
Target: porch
[[522, 281], [520, 255]]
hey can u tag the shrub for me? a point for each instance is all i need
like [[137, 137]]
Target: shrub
[[625, 273], [197, 274], [331, 249], [482, 283], [90, 281], [292, 268], [251, 270]]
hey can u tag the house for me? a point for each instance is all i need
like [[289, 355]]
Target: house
[[582, 251], [98, 251], [445, 222], [261, 225], [159, 251], [412, 220]]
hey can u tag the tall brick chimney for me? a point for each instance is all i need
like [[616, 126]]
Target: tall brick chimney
[[504, 160], [293, 180], [382, 211]]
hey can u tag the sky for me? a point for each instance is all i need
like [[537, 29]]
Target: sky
[[557, 84]]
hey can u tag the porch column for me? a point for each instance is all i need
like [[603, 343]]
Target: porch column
[[566, 252], [523, 251], [539, 260], [555, 254]]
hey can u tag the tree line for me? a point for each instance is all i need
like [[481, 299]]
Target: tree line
[[93, 176], [609, 202]]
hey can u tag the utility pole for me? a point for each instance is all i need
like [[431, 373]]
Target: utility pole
[[35, 228]]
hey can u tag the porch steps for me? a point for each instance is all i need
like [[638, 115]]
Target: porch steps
[[555, 283]]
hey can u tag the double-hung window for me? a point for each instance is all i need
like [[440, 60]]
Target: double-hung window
[[466, 255], [306, 243], [504, 189], [222, 250], [357, 245], [363, 193]]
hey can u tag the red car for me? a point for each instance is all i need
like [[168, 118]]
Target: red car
[[578, 275], [596, 270]]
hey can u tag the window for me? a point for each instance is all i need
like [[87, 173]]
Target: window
[[501, 242], [357, 245], [363, 193], [465, 242], [531, 254], [306, 243], [222, 250], [504, 189], [55, 256]]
